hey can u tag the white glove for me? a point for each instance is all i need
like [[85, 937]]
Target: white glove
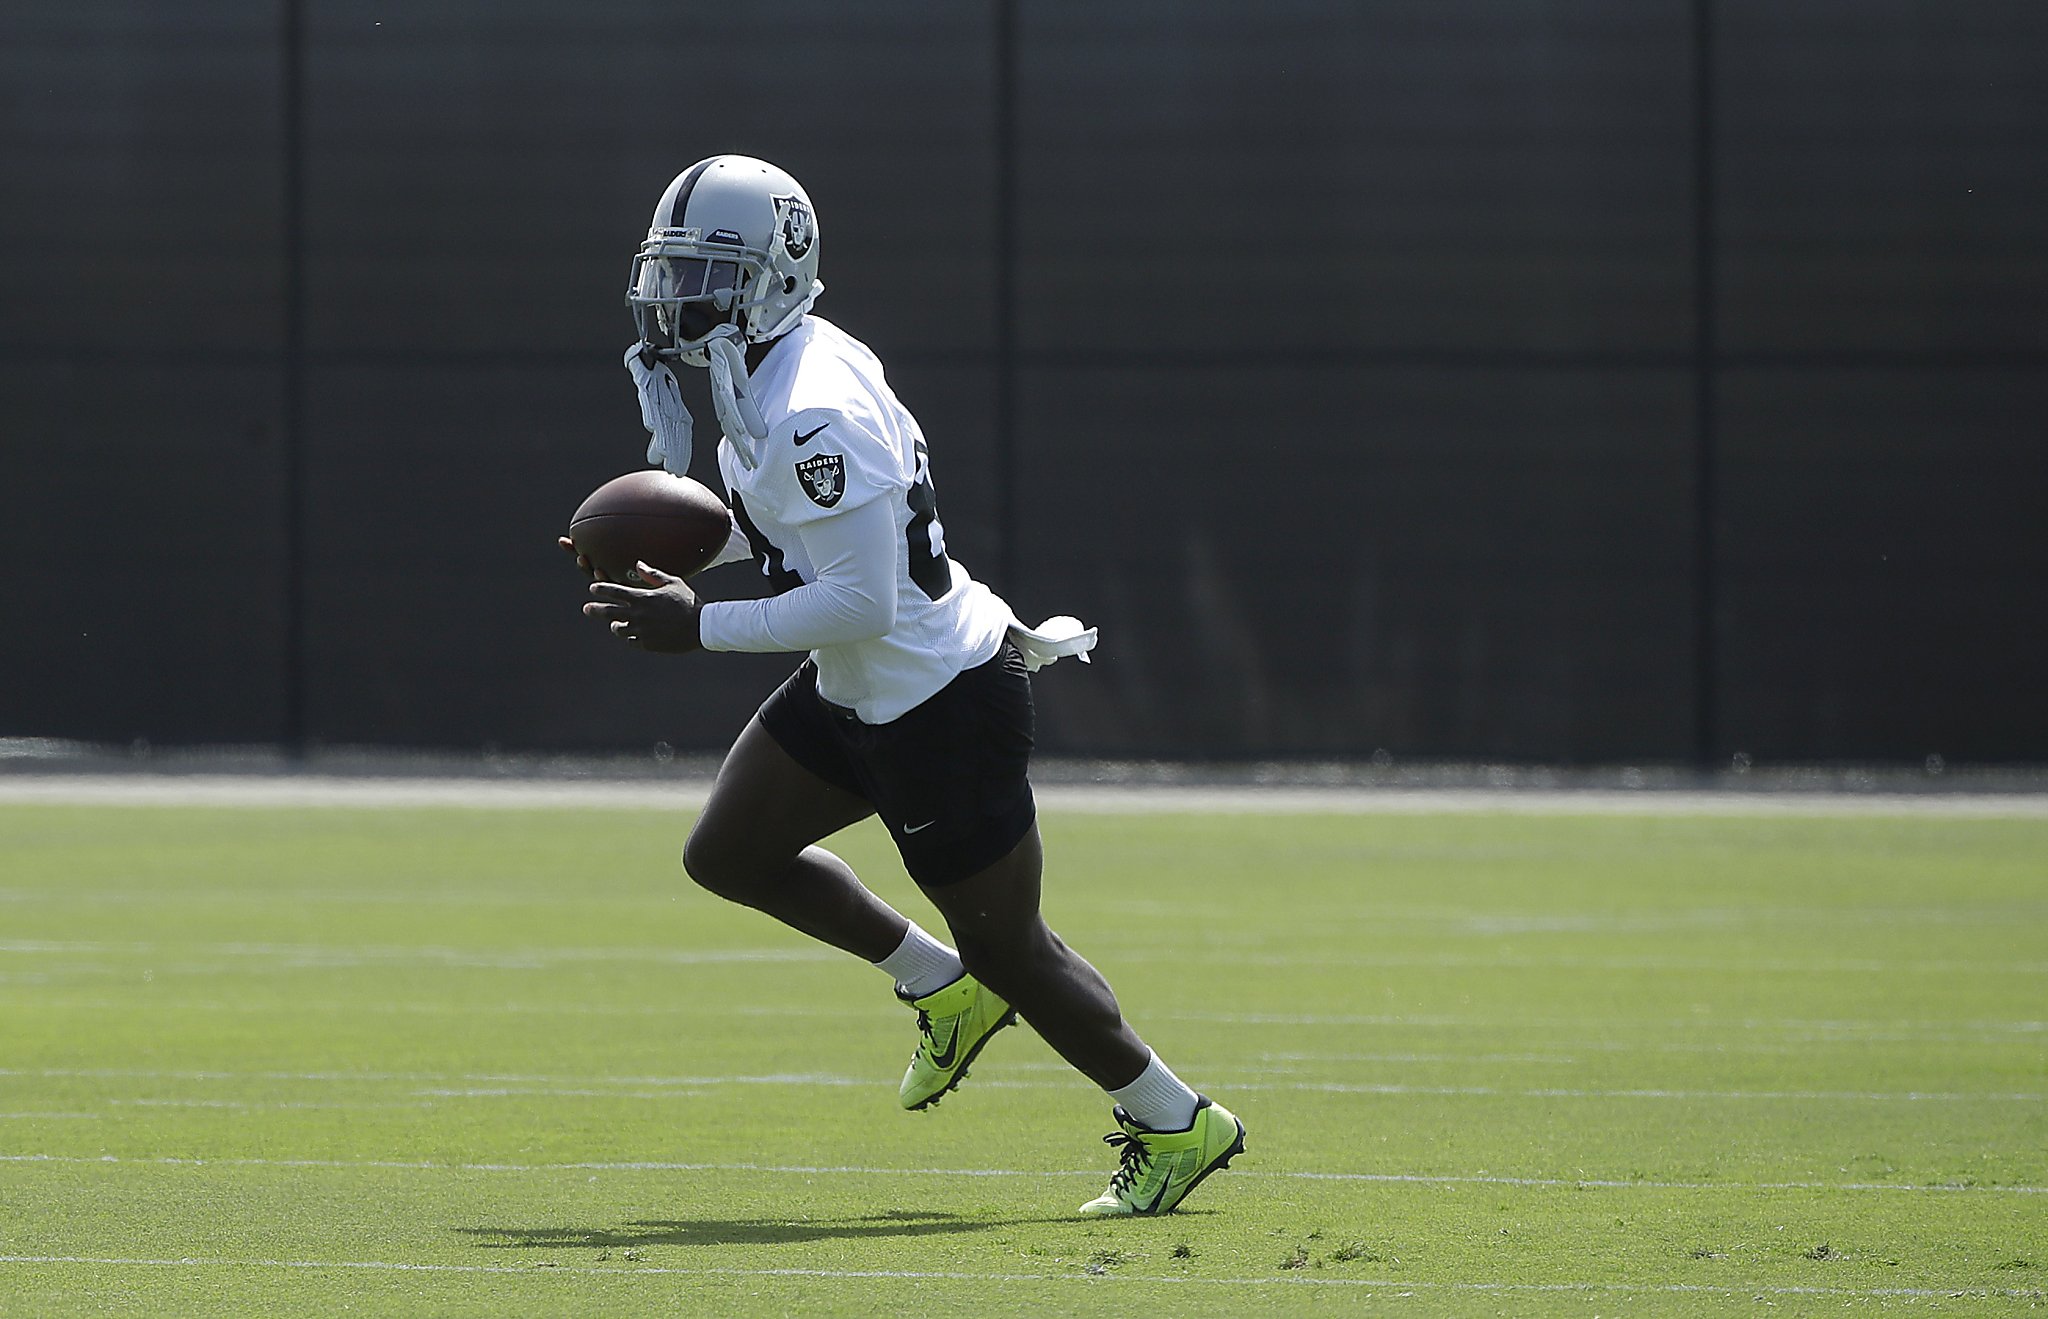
[[737, 412], [661, 411]]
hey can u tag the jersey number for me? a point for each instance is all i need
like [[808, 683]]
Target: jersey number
[[929, 567]]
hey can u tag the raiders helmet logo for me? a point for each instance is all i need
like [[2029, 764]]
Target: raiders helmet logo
[[823, 478], [797, 229]]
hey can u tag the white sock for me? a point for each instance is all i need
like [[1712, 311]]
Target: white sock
[[922, 964], [1158, 1099]]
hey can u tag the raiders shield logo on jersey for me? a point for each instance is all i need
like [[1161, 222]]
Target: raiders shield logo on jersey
[[824, 478]]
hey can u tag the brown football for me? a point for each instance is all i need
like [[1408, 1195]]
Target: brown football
[[671, 522]]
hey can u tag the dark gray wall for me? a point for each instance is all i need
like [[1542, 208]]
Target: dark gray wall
[[1882, 398], [1581, 380]]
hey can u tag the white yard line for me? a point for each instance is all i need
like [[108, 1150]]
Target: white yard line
[[1523, 962], [1236, 1083], [1849, 1029], [1365, 915], [1398, 1286], [342, 956], [1800, 1036], [596, 1011], [1565, 1092], [500, 1086], [345, 955], [525, 794], [843, 1170], [488, 1082], [240, 1104], [516, 1092], [495, 1080]]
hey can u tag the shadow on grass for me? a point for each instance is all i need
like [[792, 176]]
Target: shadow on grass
[[736, 1231]]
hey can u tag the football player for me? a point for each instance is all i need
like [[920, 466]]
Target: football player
[[914, 703]]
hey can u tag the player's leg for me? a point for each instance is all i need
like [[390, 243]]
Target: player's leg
[[1006, 944], [755, 844], [1171, 1138], [951, 780], [787, 783]]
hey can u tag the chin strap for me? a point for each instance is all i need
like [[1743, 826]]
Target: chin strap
[[661, 410]]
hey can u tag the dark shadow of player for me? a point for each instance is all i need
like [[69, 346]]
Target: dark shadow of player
[[737, 1231]]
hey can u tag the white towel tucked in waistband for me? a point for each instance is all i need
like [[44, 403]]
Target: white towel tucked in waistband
[[1055, 638]]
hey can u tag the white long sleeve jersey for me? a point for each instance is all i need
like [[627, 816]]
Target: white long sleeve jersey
[[838, 509]]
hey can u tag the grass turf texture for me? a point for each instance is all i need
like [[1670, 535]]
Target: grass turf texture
[[455, 1061]]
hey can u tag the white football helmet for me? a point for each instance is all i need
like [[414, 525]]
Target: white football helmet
[[734, 242]]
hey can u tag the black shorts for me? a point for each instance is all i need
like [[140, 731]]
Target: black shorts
[[950, 779]]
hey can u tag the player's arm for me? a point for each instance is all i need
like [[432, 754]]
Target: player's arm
[[852, 598]]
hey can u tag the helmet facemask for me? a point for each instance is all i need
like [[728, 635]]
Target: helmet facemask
[[683, 294]]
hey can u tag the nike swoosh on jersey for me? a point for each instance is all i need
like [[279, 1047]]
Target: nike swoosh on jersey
[[805, 437], [911, 829]]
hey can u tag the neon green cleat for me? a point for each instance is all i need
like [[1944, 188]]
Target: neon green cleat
[[1159, 1168], [953, 1024]]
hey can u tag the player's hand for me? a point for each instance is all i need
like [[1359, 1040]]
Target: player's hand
[[588, 569], [663, 618]]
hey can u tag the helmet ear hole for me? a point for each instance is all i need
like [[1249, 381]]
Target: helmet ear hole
[[788, 284]]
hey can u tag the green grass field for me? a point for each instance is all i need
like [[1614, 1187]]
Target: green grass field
[[281, 1062]]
